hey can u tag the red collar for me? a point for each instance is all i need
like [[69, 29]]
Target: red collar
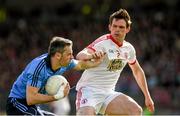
[[114, 40]]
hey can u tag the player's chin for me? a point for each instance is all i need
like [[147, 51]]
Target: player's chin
[[66, 64], [116, 35]]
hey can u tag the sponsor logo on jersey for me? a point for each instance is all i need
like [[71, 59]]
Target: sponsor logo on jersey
[[115, 64]]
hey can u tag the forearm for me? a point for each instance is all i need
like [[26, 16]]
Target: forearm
[[34, 97], [38, 98], [141, 80], [89, 64], [83, 55], [142, 83], [89, 59]]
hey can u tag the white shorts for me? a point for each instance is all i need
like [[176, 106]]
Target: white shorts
[[94, 97]]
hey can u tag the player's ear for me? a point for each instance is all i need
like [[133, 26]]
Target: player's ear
[[58, 55], [109, 26]]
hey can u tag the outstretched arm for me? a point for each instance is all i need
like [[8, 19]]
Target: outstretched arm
[[141, 80], [88, 54], [85, 54], [88, 59]]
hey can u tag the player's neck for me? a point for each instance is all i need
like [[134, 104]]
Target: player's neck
[[120, 40]]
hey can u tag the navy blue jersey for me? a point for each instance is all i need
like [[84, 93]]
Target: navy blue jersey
[[36, 74]]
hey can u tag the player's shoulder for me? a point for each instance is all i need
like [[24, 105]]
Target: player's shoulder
[[74, 62], [126, 43], [102, 38], [99, 41], [37, 63], [39, 60]]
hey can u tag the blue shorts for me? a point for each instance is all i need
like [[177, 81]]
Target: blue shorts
[[17, 106]]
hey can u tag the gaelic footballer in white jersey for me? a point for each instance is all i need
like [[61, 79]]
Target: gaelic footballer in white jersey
[[117, 56]]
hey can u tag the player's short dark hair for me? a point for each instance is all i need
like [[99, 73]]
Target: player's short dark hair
[[121, 14], [57, 44]]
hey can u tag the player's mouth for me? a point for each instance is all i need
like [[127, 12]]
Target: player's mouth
[[116, 34]]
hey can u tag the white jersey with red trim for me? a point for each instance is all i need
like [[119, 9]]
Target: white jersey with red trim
[[106, 75]]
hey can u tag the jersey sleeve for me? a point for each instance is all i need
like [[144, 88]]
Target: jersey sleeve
[[34, 73], [132, 55], [35, 80], [72, 64], [98, 44]]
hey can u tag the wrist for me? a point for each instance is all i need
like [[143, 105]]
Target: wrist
[[90, 56], [59, 96], [60, 93]]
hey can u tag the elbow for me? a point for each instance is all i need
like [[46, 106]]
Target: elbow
[[78, 57], [84, 55], [30, 101], [81, 56]]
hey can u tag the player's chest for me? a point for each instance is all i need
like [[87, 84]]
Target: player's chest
[[114, 52], [116, 58]]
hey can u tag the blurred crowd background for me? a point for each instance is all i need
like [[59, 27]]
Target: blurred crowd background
[[26, 27]]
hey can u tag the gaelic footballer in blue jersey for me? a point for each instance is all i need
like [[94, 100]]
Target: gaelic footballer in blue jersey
[[28, 90]]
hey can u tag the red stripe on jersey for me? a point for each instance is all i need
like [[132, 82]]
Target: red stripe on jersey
[[78, 96], [91, 48], [114, 40], [132, 62], [104, 37]]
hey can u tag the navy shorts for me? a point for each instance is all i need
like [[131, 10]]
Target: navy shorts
[[17, 106]]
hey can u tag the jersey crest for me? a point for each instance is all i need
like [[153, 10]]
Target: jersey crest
[[115, 64]]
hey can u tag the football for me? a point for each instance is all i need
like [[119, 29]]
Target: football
[[54, 83]]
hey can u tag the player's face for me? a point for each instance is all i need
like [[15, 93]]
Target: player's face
[[66, 56], [118, 28]]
